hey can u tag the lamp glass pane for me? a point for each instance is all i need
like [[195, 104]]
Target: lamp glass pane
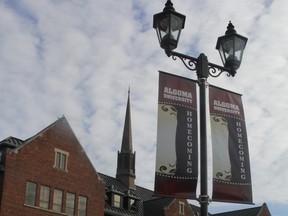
[[176, 26], [227, 46], [239, 47], [222, 54], [239, 44]]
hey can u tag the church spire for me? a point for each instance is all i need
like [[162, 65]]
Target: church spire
[[127, 132], [126, 158]]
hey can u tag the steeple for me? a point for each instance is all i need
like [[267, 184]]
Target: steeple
[[126, 158], [127, 132]]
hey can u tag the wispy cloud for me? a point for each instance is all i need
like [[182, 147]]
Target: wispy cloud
[[78, 58]]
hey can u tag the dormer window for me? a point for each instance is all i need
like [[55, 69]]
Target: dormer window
[[132, 204], [115, 197], [122, 199], [130, 200], [117, 201]]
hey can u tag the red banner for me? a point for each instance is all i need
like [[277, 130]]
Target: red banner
[[177, 153], [231, 166]]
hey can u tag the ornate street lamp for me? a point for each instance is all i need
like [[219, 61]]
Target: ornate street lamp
[[168, 25], [231, 47]]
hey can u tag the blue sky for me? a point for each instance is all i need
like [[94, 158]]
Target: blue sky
[[79, 57]]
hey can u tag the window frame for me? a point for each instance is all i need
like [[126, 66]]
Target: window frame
[[56, 205], [132, 204], [44, 198], [82, 211], [70, 209], [31, 201], [55, 200], [115, 202], [181, 208], [61, 160]]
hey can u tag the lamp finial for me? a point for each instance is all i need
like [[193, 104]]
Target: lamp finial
[[230, 29]]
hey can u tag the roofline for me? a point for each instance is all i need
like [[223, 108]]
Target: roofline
[[28, 140], [63, 118], [264, 206]]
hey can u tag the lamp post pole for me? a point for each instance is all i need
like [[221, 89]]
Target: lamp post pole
[[202, 73], [168, 25]]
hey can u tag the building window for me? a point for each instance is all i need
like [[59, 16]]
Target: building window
[[61, 159], [70, 203], [117, 200], [30, 197], [57, 200], [82, 206], [44, 197], [132, 204], [181, 208]]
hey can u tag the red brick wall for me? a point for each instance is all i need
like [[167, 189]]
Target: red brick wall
[[34, 162], [173, 209], [264, 210]]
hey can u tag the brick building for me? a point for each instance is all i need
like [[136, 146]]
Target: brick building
[[50, 174]]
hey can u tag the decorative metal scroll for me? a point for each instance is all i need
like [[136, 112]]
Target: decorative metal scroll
[[216, 70], [191, 63]]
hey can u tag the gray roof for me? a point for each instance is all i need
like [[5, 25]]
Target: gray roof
[[244, 212], [11, 142], [115, 185], [155, 207], [148, 203]]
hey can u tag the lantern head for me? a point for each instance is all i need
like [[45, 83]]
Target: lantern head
[[168, 25], [231, 47]]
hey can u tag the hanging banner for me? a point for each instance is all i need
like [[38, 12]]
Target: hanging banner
[[177, 153], [231, 167]]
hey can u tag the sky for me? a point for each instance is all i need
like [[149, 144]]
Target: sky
[[78, 58]]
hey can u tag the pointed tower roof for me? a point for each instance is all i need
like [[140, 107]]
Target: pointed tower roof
[[127, 146], [126, 157]]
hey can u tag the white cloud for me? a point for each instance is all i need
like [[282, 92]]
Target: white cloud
[[78, 58]]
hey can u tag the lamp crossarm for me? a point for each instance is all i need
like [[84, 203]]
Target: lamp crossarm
[[191, 63]]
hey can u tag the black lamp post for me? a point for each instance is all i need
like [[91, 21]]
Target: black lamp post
[[168, 25]]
